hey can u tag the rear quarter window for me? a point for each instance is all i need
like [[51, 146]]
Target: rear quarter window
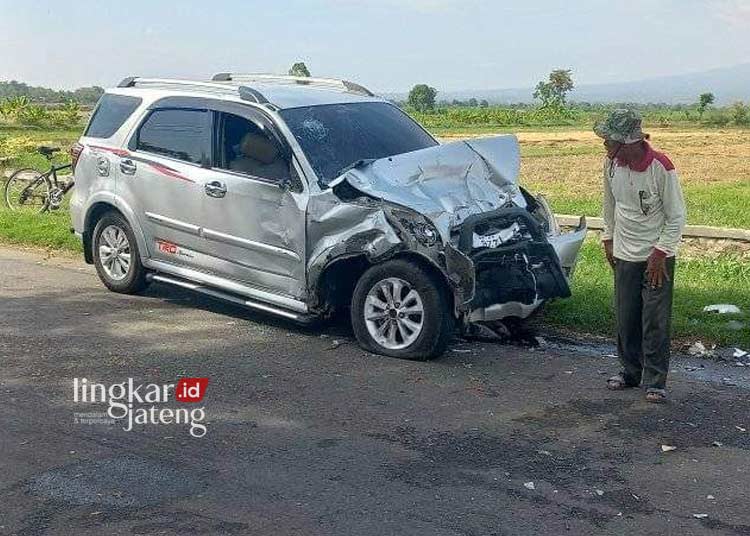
[[110, 113]]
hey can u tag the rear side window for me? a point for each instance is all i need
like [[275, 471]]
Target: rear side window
[[111, 112], [176, 133]]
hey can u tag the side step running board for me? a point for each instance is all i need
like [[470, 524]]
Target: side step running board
[[225, 296]]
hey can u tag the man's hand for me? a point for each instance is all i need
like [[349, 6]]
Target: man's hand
[[608, 252], [656, 269]]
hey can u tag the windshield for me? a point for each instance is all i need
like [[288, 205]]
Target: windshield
[[335, 136]]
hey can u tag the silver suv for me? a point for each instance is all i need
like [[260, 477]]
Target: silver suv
[[301, 196]]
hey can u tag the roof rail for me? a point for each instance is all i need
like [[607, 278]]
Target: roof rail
[[244, 92], [333, 83]]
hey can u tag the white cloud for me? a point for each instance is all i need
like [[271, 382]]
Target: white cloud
[[734, 12]]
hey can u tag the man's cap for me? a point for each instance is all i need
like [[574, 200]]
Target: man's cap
[[621, 125]]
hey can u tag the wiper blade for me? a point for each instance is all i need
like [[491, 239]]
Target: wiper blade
[[355, 164]]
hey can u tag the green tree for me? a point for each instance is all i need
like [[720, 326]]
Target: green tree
[[14, 107], [554, 91], [484, 103], [299, 69], [704, 100], [88, 95], [739, 113], [422, 97]]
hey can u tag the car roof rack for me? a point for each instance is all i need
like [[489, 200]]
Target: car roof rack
[[242, 91], [331, 83]]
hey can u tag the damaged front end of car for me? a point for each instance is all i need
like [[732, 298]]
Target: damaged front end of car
[[455, 208]]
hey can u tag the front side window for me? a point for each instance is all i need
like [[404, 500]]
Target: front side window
[[244, 147], [176, 133], [334, 136]]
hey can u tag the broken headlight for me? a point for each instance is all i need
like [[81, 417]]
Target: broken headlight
[[418, 226]]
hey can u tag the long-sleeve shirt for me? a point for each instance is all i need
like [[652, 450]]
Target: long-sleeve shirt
[[643, 207]]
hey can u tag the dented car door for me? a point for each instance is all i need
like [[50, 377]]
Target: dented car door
[[253, 214]]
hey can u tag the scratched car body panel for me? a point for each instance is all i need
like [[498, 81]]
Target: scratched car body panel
[[286, 196]]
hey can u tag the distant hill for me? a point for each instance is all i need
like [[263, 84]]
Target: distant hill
[[728, 84]]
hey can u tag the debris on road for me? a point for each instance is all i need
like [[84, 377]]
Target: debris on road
[[741, 428], [599, 492], [700, 516], [335, 343], [698, 349], [668, 448], [739, 354], [722, 309], [717, 444], [529, 485], [710, 497]]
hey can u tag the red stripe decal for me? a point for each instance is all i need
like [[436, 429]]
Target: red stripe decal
[[169, 172], [113, 150], [161, 168]]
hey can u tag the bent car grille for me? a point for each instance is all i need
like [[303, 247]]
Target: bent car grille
[[523, 268]]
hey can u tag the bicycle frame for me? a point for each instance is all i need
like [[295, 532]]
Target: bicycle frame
[[53, 174]]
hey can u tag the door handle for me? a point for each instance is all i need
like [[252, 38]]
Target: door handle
[[127, 166], [215, 189]]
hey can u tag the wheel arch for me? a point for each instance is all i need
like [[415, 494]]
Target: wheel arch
[[95, 212], [339, 277]]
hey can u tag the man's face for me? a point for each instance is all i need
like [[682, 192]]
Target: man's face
[[612, 147]]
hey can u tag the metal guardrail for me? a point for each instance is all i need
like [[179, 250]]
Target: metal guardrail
[[690, 231]]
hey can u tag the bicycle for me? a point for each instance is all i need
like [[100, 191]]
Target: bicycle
[[28, 189]]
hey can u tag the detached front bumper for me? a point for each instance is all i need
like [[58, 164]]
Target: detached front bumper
[[514, 280]]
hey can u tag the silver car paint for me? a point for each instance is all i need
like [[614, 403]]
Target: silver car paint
[[446, 184]]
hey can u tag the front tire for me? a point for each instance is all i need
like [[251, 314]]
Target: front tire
[[401, 310], [116, 256]]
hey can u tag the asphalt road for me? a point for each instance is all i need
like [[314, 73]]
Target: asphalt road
[[309, 435]]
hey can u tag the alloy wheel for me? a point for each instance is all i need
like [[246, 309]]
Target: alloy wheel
[[394, 313]]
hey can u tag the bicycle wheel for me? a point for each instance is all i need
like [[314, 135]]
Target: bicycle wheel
[[27, 190]]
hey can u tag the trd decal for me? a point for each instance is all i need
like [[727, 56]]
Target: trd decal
[[173, 249]]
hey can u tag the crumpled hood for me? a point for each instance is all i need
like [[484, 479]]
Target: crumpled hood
[[446, 183]]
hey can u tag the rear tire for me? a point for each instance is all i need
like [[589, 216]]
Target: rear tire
[[116, 256], [401, 310], [27, 190]]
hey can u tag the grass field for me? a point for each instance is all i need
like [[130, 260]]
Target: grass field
[[701, 279], [565, 165]]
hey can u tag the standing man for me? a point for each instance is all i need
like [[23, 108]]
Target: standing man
[[644, 215]]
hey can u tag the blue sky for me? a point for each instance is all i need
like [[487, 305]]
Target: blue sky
[[388, 45]]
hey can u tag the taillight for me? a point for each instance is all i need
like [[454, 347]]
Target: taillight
[[75, 153]]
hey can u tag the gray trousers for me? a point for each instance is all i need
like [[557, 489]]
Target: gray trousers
[[644, 322]]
